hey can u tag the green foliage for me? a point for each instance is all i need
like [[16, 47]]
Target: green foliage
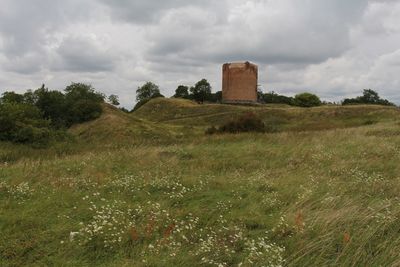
[[182, 92], [216, 97], [369, 97], [52, 104], [147, 91], [201, 91], [114, 100], [23, 123], [83, 103], [12, 97], [274, 98], [36, 116], [248, 122], [307, 100]]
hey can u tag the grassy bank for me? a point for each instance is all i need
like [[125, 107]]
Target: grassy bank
[[298, 197]]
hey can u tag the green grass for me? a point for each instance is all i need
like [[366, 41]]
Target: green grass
[[308, 195]]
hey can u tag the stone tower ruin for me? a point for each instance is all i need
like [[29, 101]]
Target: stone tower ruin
[[239, 82]]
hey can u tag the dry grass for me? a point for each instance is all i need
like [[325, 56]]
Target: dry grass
[[297, 198]]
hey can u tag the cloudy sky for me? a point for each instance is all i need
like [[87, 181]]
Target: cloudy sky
[[333, 48]]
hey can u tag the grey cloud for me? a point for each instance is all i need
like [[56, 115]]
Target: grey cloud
[[264, 31], [332, 47], [138, 11], [25, 64], [27, 28], [82, 55]]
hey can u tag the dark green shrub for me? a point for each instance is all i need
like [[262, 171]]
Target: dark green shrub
[[37, 117], [212, 130], [23, 123], [307, 100], [83, 103], [248, 122], [274, 98], [369, 97], [53, 105]]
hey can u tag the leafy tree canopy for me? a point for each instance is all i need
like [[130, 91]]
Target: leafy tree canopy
[[113, 100], [201, 91], [369, 97], [147, 91], [182, 92], [307, 100]]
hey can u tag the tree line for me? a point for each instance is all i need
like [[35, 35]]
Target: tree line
[[39, 116], [202, 92]]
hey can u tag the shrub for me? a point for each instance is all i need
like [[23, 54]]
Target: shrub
[[369, 97], [84, 104], [274, 98], [37, 117], [307, 100], [248, 122], [212, 130], [23, 123]]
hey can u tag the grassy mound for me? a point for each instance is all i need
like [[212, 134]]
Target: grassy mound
[[117, 127], [325, 198], [292, 198], [283, 118]]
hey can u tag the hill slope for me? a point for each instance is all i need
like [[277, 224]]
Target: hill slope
[[327, 198], [284, 118], [118, 127]]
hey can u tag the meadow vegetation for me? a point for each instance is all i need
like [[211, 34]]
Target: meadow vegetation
[[149, 188]]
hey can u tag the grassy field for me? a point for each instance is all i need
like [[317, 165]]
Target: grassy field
[[151, 189]]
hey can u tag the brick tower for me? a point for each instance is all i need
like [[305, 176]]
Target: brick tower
[[239, 82]]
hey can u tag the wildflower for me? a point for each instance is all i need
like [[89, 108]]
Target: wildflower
[[72, 235]]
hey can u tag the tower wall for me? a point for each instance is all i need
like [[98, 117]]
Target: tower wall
[[239, 82]]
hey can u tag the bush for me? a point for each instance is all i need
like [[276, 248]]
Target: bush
[[369, 97], [37, 117], [307, 100], [274, 98], [212, 130], [83, 103], [23, 123], [248, 122]]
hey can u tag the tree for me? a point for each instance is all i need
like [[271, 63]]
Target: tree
[[147, 91], [83, 103], [114, 100], [81, 91], [216, 97], [30, 97], [274, 98], [369, 97], [201, 91], [12, 97], [23, 123], [52, 104], [182, 92], [307, 100]]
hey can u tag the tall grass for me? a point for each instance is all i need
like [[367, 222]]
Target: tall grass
[[309, 198]]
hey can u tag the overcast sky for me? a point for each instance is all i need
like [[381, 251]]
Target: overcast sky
[[333, 48]]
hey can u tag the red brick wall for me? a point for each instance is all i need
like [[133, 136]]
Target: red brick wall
[[239, 82]]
